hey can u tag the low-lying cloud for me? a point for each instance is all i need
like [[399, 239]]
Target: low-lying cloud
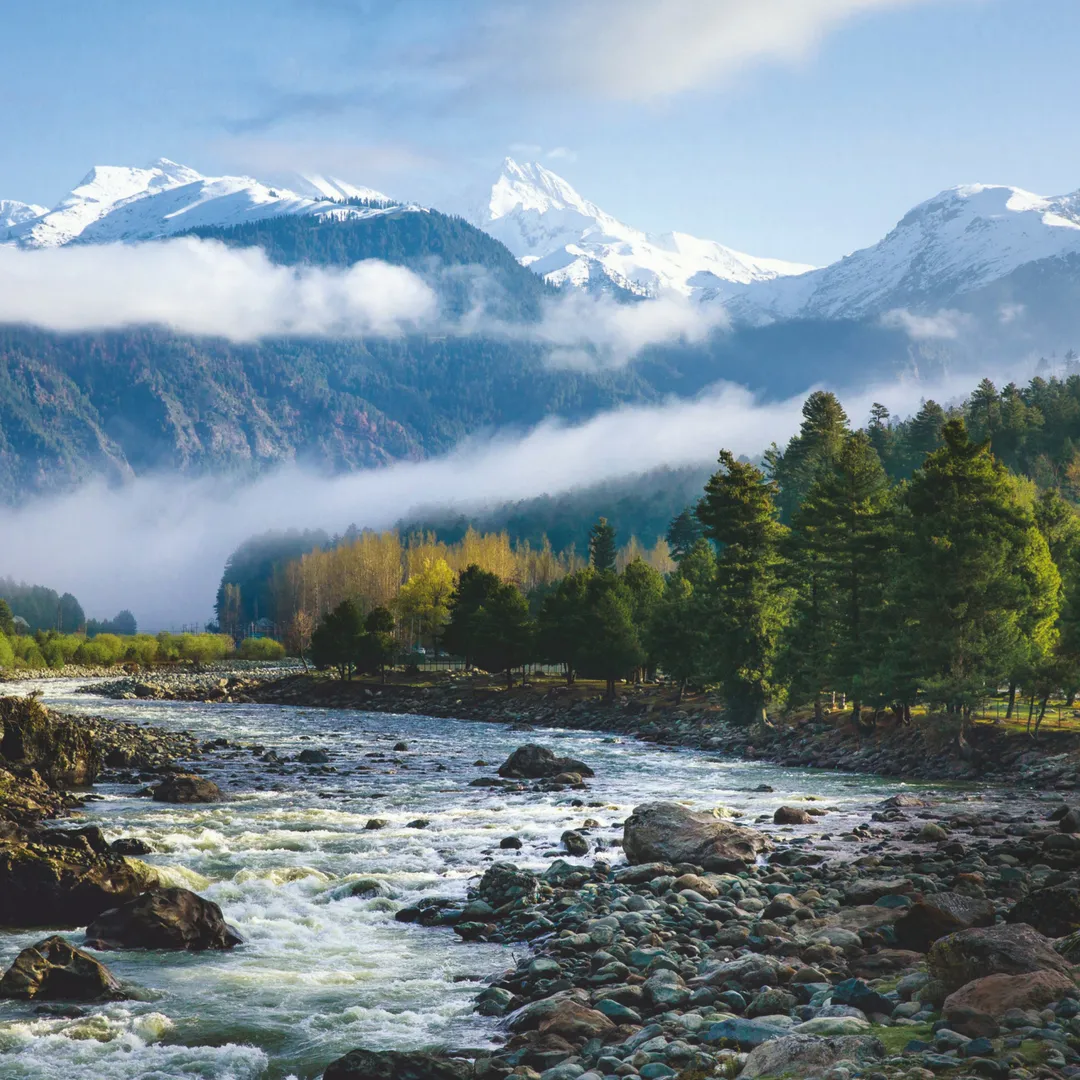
[[158, 544], [205, 288], [944, 325]]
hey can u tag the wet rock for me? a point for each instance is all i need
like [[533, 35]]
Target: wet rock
[[375, 823], [163, 919], [187, 788], [54, 970], [670, 833], [44, 885], [562, 1015], [792, 815], [313, 757], [1054, 911], [995, 995], [932, 832], [533, 762], [61, 751], [418, 823], [575, 843], [1004, 949], [805, 1055], [401, 747], [1069, 822], [130, 845], [503, 883], [397, 1065], [939, 914], [510, 843], [858, 995]]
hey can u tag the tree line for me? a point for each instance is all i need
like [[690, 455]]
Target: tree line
[[898, 565]]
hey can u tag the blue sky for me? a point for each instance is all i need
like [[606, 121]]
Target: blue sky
[[799, 129]]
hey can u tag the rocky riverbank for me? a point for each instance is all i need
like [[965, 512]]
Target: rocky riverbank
[[700, 958], [925, 750]]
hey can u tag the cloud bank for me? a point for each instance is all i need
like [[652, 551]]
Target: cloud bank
[[158, 544], [203, 287]]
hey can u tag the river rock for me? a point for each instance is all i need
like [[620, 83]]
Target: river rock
[[575, 843], [744, 1034], [995, 995], [396, 1065], [313, 757], [61, 751], [670, 833], [561, 1014], [163, 919], [533, 762], [504, 882], [54, 970], [792, 815], [939, 914], [1004, 949], [43, 885], [187, 788], [805, 1055], [1053, 911], [130, 845]]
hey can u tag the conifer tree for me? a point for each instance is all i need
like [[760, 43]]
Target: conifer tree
[[602, 549], [738, 512]]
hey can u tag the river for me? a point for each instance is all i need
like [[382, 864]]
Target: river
[[323, 971]]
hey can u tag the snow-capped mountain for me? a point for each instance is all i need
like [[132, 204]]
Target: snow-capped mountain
[[121, 203], [960, 241], [569, 240], [13, 212]]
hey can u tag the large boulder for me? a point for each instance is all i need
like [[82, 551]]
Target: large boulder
[[25, 800], [668, 832], [395, 1065], [937, 914], [792, 815], [187, 788], [163, 919], [45, 885], [806, 1055], [61, 751], [563, 1014], [995, 995], [1053, 911], [1004, 949], [54, 970], [532, 762]]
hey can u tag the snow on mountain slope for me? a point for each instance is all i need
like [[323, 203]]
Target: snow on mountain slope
[[120, 203], [567, 239], [960, 240], [13, 212]]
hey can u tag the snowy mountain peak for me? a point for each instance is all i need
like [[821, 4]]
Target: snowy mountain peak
[[569, 240], [128, 203], [13, 212]]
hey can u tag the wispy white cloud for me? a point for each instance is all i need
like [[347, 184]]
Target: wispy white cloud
[[944, 325], [638, 50], [202, 287]]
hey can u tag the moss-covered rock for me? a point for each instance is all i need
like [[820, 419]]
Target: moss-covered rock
[[60, 750], [46, 885]]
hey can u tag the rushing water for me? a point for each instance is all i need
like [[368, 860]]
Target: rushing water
[[323, 971]]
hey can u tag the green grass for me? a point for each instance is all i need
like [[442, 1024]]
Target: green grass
[[896, 1038]]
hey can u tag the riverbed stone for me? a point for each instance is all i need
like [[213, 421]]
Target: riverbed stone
[[1004, 949], [995, 995], [60, 750], [187, 788], [163, 919], [54, 970], [1053, 911], [810, 1055], [936, 915], [534, 762], [792, 815], [670, 833]]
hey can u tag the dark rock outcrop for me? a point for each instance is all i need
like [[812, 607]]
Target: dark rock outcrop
[[938, 914], [396, 1065], [532, 762], [54, 970], [669, 833], [1053, 911], [163, 919], [61, 751], [792, 815], [44, 885], [187, 788]]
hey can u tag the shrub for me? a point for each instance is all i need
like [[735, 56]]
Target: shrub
[[142, 649], [7, 653], [263, 648]]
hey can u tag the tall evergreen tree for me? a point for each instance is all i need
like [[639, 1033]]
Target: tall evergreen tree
[[473, 589], [738, 512], [562, 624], [602, 549], [683, 533], [504, 631], [820, 437], [976, 578], [612, 647]]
